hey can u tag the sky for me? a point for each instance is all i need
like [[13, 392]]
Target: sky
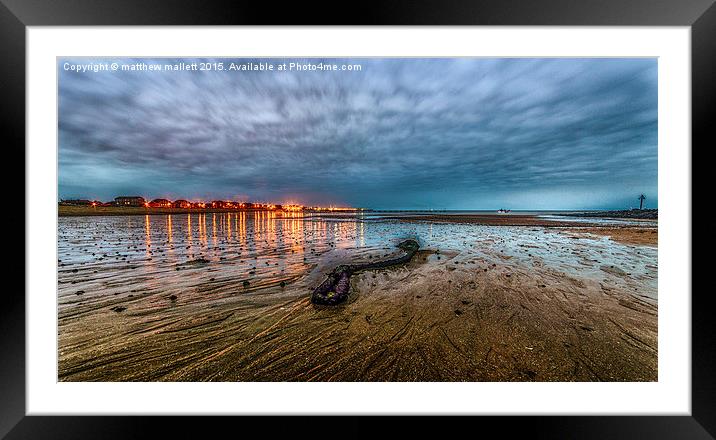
[[401, 133]]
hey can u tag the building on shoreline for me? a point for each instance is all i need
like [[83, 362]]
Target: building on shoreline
[[181, 204], [129, 201], [77, 202], [160, 203]]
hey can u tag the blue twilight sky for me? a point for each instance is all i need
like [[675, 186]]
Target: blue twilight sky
[[402, 133]]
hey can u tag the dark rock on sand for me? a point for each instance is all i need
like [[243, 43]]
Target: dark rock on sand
[[613, 270], [335, 289]]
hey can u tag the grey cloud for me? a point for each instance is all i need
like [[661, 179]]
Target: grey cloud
[[401, 133]]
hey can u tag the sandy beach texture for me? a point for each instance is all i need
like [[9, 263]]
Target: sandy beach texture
[[518, 300]]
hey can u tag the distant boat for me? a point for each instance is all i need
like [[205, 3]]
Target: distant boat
[[503, 211]]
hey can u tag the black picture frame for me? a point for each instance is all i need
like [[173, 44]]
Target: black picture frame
[[16, 15]]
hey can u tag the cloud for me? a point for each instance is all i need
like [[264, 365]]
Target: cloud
[[401, 133]]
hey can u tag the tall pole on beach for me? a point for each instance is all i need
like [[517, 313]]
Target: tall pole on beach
[[641, 201]]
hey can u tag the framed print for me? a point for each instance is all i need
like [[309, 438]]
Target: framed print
[[392, 216]]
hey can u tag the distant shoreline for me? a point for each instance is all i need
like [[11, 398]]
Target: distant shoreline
[[637, 214], [85, 210], [82, 211]]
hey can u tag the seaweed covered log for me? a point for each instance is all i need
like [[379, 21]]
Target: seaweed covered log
[[337, 285]]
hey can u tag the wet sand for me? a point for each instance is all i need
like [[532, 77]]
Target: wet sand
[[628, 235], [495, 304]]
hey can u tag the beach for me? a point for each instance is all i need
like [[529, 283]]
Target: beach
[[227, 297]]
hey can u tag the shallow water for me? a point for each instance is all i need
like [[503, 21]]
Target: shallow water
[[97, 254]]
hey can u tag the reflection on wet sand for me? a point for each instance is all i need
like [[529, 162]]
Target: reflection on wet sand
[[163, 298]]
